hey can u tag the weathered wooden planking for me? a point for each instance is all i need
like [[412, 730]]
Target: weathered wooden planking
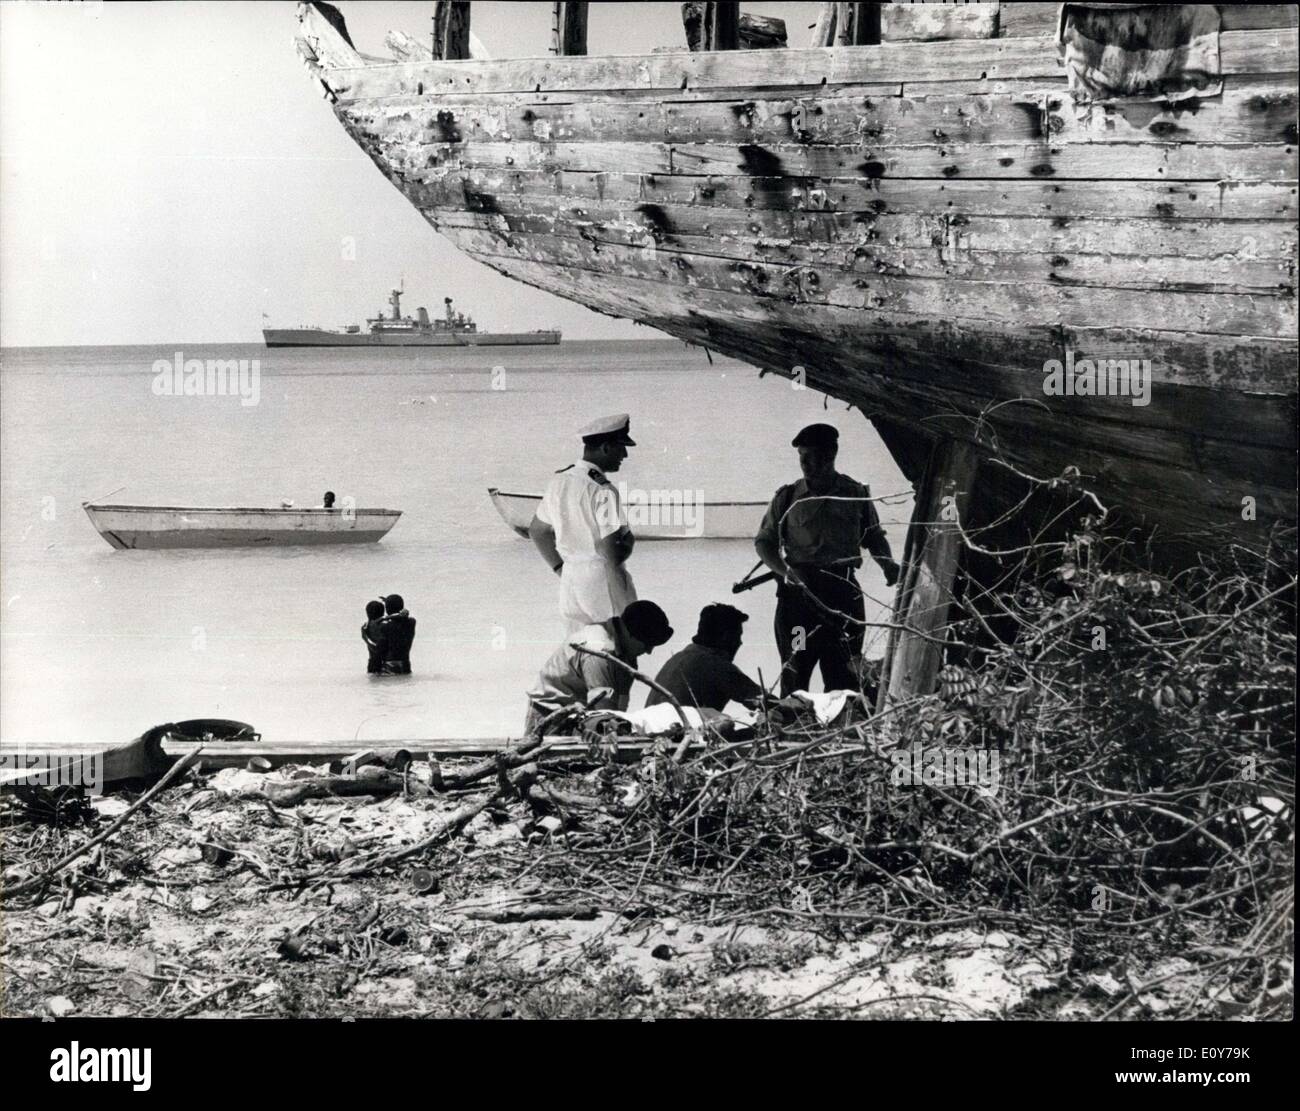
[[1079, 306], [1245, 114], [406, 49], [1202, 162], [1263, 364], [1247, 17], [1231, 272], [1028, 20], [1060, 200], [786, 233], [937, 22], [1249, 52]]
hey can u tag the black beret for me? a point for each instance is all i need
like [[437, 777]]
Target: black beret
[[817, 435]]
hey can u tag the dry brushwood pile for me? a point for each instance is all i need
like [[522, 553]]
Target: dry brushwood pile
[[1132, 856]]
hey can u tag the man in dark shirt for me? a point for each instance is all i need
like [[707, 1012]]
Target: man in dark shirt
[[702, 674], [812, 538], [399, 632], [374, 634]]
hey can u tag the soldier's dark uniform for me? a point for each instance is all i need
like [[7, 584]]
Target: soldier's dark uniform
[[822, 536]]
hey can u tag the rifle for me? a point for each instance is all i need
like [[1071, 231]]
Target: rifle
[[748, 582]]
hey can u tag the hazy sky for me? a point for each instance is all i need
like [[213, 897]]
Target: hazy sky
[[168, 173]]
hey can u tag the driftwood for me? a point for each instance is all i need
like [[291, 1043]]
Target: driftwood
[[524, 783], [395, 759], [484, 769], [531, 912], [379, 782]]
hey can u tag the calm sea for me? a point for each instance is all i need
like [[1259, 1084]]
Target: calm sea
[[97, 644]]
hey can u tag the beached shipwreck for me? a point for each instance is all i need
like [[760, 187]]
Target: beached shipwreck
[[922, 214]]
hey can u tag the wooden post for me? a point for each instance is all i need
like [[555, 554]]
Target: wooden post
[[857, 24], [867, 25], [722, 25], [824, 30], [754, 32], [451, 30], [568, 27], [925, 593]]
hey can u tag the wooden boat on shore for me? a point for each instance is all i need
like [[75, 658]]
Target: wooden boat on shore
[[678, 519], [92, 765], [920, 219], [171, 526]]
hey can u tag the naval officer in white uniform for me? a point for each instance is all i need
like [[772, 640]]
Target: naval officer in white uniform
[[581, 531]]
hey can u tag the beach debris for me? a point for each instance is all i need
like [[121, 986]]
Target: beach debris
[[528, 912], [215, 850], [293, 947], [38, 881], [424, 881], [58, 806], [369, 780], [140, 978], [394, 759]]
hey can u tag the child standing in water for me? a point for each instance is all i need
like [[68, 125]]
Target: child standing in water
[[373, 632]]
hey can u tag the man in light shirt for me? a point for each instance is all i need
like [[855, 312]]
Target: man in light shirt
[[580, 530], [573, 676]]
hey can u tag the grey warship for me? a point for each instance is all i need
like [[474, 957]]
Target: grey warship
[[454, 329]]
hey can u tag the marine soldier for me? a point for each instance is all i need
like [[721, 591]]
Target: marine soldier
[[580, 530], [812, 538]]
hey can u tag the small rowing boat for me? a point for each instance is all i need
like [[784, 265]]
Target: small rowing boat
[[668, 518], [172, 526]]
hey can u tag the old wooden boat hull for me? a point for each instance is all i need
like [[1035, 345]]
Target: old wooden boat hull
[[94, 766], [161, 526], [674, 519], [918, 228]]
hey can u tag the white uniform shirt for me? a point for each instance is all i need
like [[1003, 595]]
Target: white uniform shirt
[[583, 508]]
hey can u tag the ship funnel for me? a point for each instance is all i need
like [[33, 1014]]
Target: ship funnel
[[422, 314]]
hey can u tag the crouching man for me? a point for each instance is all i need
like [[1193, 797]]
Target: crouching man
[[702, 674], [573, 676]]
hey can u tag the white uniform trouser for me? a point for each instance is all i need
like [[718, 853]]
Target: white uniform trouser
[[593, 590]]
